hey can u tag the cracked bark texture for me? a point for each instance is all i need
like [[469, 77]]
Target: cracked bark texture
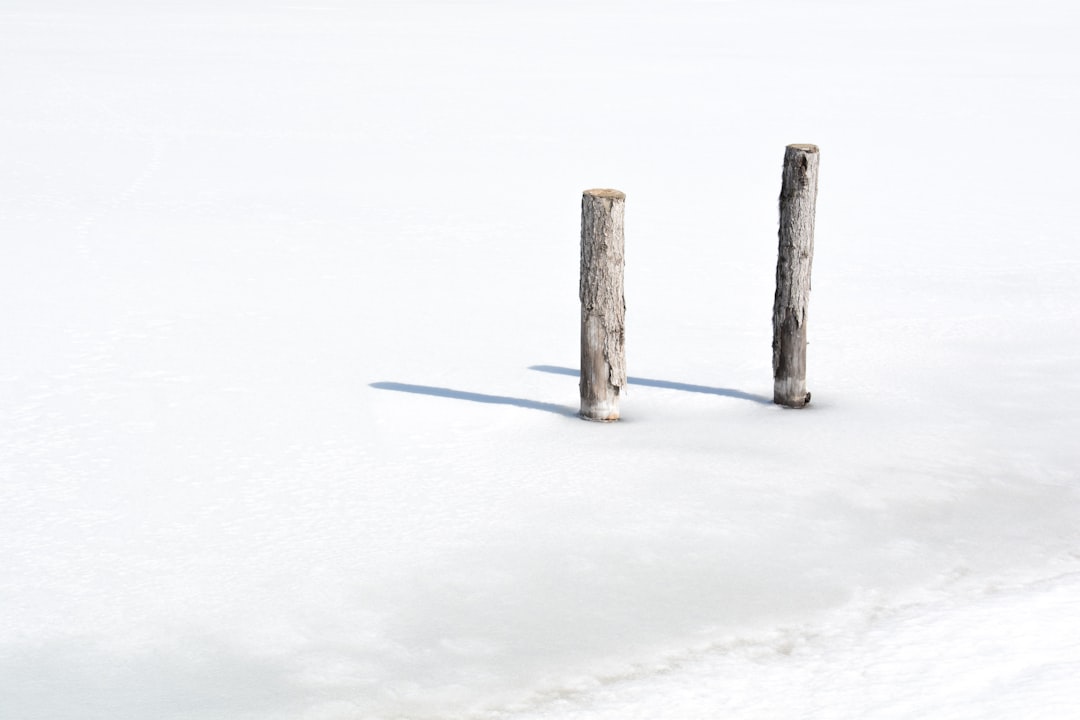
[[798, 197], [603, 307]]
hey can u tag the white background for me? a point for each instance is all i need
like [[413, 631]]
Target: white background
[[288, 303]]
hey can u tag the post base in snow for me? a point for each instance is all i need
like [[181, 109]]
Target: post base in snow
[[791, 394], [600, 412], [599, 397]]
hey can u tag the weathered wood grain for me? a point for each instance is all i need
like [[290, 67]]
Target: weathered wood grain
[[798, 198], [603, 306]]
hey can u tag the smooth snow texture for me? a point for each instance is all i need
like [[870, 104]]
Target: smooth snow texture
[[290, 323]]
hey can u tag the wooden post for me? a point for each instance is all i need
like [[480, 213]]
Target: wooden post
[[603, 307], [798, 196]]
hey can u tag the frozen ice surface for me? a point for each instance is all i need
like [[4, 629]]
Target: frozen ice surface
[[289, 312]]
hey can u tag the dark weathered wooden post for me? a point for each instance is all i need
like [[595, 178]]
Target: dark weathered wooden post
[[798, 196], [603, 307]]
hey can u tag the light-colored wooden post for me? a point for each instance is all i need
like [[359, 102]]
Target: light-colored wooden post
[[798, 196], [603, 307]]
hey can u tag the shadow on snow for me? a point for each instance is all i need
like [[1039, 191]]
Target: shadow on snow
[[665, 384], [474, 397], [552, 407]]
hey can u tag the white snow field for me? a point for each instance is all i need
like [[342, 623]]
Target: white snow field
[[289, 316]]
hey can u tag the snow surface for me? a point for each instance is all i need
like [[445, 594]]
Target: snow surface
[[289, 310]]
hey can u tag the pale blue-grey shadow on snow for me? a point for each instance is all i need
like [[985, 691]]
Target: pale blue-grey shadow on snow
[[474, 397], [665, 384]]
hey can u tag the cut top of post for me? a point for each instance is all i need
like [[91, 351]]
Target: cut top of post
[[805, 147], [606, 193]]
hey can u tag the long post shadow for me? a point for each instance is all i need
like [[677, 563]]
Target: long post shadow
[[474, 397], [665, 384]]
